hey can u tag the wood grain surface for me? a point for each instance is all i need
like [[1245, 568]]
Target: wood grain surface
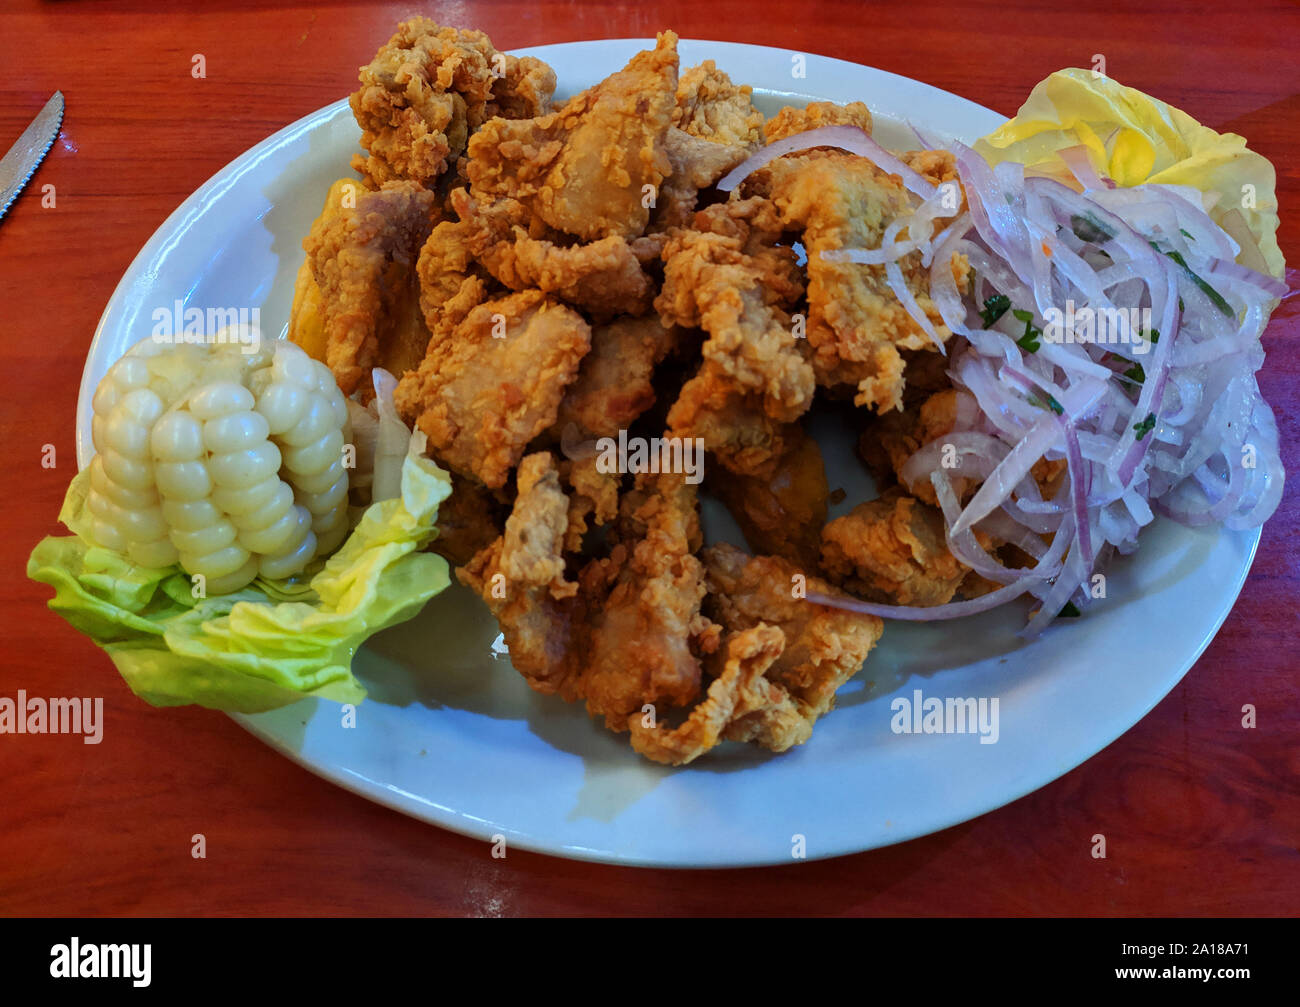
[[1201, 816]]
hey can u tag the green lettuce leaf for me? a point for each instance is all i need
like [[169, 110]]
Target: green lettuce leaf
[[270, 644]]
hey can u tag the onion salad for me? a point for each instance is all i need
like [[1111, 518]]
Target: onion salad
[[1110, 328]]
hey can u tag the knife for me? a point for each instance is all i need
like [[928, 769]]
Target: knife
[[25, 156]]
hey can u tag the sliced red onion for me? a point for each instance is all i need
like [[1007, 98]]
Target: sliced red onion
[[850, 138], [1077, 160], [1198, 379]]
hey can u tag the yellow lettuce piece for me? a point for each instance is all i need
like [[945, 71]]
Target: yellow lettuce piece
[[1134, 138]]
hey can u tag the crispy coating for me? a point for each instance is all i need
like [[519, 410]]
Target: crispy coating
[[451, 282], [582, 168], [629, 631], [724, 276], [593, 499], [642, 642], [602, 277], [711, 107], [731, 422], [495, 382], [856, 325], [521, 578], [739, 694], [791, 120], [426, 89], [697, 164], [614, 384], [524, 90], [781, 514], [613, 388], [362, 258], [824, 647], [893, 550]]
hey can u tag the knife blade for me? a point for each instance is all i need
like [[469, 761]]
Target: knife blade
[[25, 156]]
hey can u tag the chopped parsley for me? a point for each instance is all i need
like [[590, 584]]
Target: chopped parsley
[[1185, 235], [1029, 342], [1051, 403], [1154, 334], [1135, 373], [994, 308], [1146, 426], [1071, 611], [1088, 228], [1215, 297]]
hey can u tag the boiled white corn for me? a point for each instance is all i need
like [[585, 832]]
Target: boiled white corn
[[226, 462]]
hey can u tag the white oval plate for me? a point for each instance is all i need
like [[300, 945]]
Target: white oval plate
[[452, 735]]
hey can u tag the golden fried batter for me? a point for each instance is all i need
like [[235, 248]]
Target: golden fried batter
[[791, 120], [584, 168], [524, 90], [892, 550], [711, 107], [520, 577], [495, 382], [740, 694], [419, 99], [629, 631], [856, 325], [613, 388], [824, 647], [697, 164], [727, 278], [359, 304], [782, 661], [601, 277]]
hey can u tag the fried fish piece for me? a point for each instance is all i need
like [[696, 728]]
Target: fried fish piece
[[602, 277], [421, 96], [521, 578], [491, 385], [583, 168], [643, 640], [824, 647], [727, 277], [740, 693], [781, 661], [628, 631], [791, 120], [697, 164], [524, 90], [614, 384], [613, 389], [451, 282], [355, 301], [856, 325], [711, 107], [893, 550]]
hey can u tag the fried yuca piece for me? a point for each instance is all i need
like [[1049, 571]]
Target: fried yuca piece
[[386, 221]]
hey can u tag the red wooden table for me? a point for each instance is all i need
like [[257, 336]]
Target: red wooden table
[[1201, 816]]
